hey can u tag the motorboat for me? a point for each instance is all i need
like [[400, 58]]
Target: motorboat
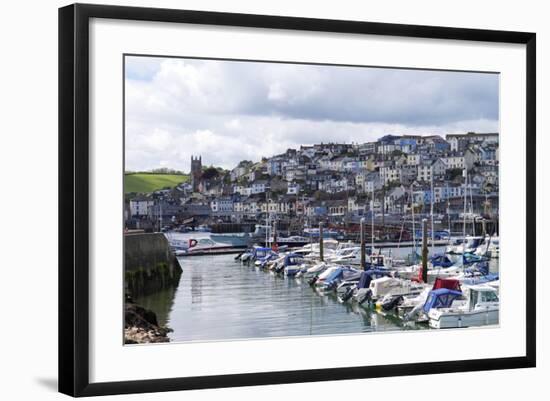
[[294, 241], [313, 250], [264, 255], [313, 271], [335, 275], [464, 245], [346, 256], [378, 261], [393, 286], [479, 307], [360, 292], [255, 253], [412, 307], [315, 233], [490, 247], [293, 263], [197, 246]]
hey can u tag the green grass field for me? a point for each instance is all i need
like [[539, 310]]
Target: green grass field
[[151, 182]]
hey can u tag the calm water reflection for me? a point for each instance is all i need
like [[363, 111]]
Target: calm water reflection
[[219, 299]]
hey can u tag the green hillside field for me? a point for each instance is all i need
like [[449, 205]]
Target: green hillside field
[[144, 183]]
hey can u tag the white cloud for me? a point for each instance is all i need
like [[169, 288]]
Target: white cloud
[[230, 111]]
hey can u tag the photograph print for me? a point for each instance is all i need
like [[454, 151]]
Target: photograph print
[[272, 199]]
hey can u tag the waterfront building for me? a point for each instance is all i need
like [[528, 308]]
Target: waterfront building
[[258, 187], [139, 206], [221, 205], [454, 161], [293, 188], [459, 142]]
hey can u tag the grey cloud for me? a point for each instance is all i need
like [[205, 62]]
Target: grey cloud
[[230, 111]]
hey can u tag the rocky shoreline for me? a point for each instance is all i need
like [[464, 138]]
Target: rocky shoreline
[[141, 326]]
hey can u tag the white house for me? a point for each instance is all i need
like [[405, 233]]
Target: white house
[[221, 205], [368, 181], [258, 187], [413, 159], [140, 207], [293, 188], [454, 161], [389, 174]]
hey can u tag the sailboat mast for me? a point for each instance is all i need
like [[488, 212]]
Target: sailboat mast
[[465, 173], [432, 204], [267, 226], [413, 226], [372, 223], [448, 210], [472, 208]]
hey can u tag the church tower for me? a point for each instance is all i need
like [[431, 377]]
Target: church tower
[[196, 172]]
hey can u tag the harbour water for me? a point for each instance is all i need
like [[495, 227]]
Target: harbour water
[[220, 299]]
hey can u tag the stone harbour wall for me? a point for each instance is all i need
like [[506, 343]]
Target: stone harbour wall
[[149, 264]]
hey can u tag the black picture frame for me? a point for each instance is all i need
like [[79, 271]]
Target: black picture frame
[[74, 201]]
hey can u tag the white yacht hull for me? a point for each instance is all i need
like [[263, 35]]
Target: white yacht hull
[[447, 318]]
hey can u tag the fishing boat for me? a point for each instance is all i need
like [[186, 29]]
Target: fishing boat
[[479, 307]]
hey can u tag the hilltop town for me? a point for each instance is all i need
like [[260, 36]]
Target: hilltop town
[[333, 182]]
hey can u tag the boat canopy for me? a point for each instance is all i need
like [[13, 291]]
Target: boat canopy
[[449, 283], [259, 250], [441, 298], [441, 260], [337, 273], [352, 275], [479, 267], [293, 259], [368, 275], [471, 258], [486, 278]]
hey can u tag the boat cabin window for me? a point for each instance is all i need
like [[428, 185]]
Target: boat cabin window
[[488, 296]]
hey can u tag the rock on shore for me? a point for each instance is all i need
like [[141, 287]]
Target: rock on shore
[[141, 326]]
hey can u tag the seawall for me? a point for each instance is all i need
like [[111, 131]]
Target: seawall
[[149, 264]]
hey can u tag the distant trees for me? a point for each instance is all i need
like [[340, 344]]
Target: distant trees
[[397, 152], [210, 173], [454, 173]]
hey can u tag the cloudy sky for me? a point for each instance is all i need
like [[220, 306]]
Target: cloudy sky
[[228, 111]]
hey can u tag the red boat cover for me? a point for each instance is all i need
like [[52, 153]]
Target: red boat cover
[[449, 283]]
